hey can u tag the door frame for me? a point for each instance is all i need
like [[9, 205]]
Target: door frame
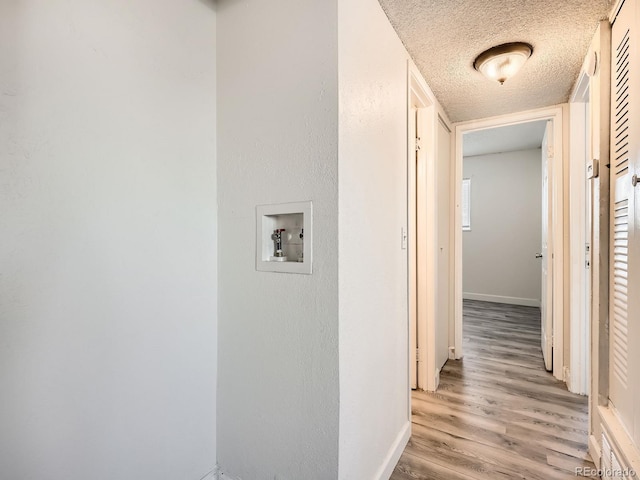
[[419, 95], [558, 175], [600, 103], [580, 281]]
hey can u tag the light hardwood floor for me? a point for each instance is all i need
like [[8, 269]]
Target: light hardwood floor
[[498, 414]]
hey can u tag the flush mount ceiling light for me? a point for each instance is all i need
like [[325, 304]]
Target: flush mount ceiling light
[[503, 62]]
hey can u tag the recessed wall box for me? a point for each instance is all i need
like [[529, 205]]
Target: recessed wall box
[[284, 234]]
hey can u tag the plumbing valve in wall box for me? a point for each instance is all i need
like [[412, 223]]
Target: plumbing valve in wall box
[[284, 238], [278, 254]]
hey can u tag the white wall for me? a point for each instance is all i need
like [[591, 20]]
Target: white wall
[[278, 333], [107, 239], [499, 261], [374, 389]]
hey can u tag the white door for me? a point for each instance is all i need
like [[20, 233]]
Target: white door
[[413, 257], [443, 216], [624, 330], [546, 300], [588, 251]]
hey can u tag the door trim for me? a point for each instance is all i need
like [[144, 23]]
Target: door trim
[[578, 378], [418, 205], [428, 112], [559, 172]]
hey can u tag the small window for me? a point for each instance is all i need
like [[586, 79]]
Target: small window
[[466, 204]]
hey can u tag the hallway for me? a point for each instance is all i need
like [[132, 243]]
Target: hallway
[[497, 413]]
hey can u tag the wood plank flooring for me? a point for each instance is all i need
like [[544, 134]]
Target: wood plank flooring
[[498, 414]]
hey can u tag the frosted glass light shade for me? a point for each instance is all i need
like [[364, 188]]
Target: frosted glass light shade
[[502, 62]]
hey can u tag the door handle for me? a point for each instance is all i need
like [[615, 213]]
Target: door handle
[[538, 255]]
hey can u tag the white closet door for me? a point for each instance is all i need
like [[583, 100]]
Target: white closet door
[[624, 288], [546, 299]]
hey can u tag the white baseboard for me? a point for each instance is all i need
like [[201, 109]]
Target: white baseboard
[[627, 451], [594, 450], [566, 378], [225, 476], [383, 473], [483, 297], [394, 454], [212, 475]]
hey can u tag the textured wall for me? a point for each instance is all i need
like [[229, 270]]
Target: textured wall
[[107, 240], [278, 333], [506, 218], [373, 268]]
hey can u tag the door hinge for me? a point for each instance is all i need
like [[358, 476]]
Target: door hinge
[[418, 356], [587, 262], [418, 144], [593, 170], [549, 152]]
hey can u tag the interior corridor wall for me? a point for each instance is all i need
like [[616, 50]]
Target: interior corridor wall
[[499, 261], [278, 332], [107, 239], [374, 386]]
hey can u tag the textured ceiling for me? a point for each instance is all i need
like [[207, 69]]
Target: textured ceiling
[[445, 36], [522, 136]]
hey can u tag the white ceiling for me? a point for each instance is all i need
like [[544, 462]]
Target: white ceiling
[[445, 36], [523, 136]]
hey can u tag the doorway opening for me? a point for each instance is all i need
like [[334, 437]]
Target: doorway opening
[[495, 397], [507, 252], [553, 258]]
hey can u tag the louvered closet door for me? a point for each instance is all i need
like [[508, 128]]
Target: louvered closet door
[[624, 373]]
